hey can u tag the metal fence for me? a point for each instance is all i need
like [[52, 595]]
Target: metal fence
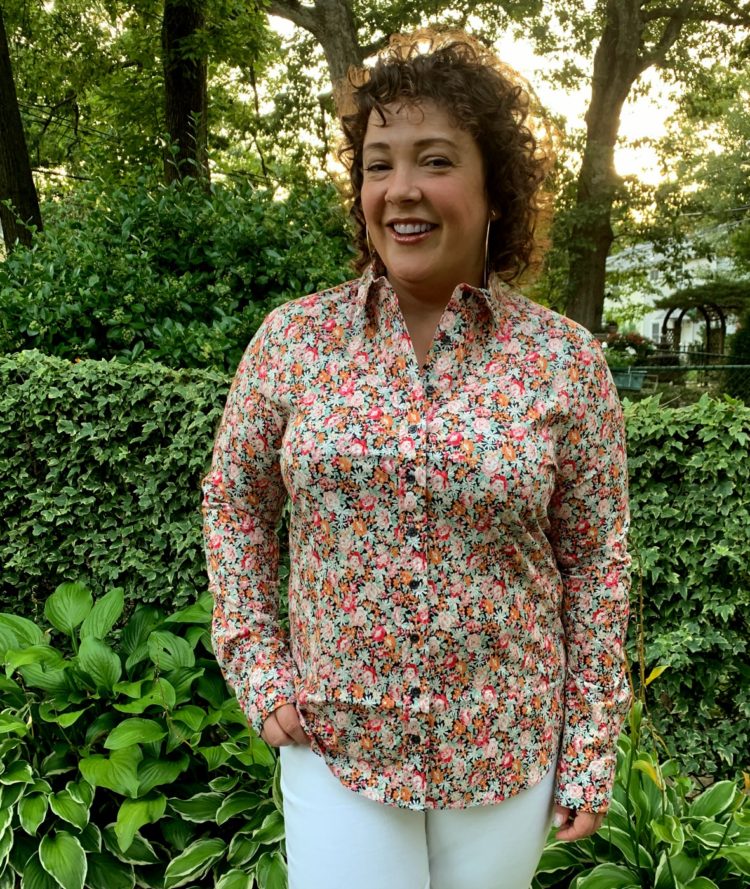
[[682, 377]]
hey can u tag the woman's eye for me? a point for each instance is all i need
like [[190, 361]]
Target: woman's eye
[[438, 162], [376, 167]]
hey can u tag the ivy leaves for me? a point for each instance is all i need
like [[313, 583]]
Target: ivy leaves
[[690, 537]]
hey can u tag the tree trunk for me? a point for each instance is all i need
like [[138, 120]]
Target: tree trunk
[[186, 92], [337, 34], [332, 24], [16, 181], [620, 58], [617, 64]]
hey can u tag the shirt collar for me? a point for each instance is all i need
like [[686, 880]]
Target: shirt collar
[[374, 277]]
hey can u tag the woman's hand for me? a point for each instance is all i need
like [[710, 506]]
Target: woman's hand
[[576, 825], [283, 727]]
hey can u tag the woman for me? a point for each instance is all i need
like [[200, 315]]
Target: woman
[[454, 457]]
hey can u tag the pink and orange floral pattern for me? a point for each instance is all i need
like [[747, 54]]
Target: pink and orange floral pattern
[[458, 594]]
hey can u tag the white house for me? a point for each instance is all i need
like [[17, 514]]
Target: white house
[[696, 270]]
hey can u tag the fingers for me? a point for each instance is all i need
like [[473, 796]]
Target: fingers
[[273, 734], [579, 825], [283, 727], [288, 720]]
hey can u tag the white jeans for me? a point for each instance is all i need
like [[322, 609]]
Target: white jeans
[[339, 839]]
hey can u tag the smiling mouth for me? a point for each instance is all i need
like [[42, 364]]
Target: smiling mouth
[[411, 228]]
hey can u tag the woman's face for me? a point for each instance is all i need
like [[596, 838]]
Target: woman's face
[[424, 200]]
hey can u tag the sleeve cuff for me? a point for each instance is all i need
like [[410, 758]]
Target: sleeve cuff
[[587, 759], [259, 702], [586, 787]]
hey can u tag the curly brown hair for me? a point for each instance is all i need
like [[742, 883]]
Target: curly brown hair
[[484, 97]]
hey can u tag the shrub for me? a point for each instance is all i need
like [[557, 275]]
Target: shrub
[[169, 275], [124, 759], [99, 474], [690, 535]]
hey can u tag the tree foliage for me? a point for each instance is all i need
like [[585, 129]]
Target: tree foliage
[[92, 92], [91, 83]]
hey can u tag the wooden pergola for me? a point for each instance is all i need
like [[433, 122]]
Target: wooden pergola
[[714, 300]]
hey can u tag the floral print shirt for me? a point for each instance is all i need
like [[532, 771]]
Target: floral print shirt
[[458, 589]]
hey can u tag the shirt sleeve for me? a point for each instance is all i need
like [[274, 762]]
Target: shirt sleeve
[[243, 496], [589, 518]]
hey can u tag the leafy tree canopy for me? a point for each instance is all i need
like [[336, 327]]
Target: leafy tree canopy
[[90, 81], [727, 293]]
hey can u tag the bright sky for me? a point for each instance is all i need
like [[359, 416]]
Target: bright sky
[[643, 117]]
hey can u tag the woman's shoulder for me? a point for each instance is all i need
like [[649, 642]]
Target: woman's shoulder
[[294, 331], [571, 354], [321, 306], [543, 325]]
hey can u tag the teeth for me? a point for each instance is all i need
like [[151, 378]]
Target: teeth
[[410, 229]]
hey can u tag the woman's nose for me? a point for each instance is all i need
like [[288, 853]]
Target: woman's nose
[[402, 186]]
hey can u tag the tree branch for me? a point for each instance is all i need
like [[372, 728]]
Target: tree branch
[[701, 14], [46, 171], [295, 12], [375, 46], [670, 34], [658, 12], [120, 66]]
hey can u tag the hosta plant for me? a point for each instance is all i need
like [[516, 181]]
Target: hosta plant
[[657, 834], [124, 759]]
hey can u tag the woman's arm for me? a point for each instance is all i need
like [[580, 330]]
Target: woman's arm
[[589, 518], [243, 495]]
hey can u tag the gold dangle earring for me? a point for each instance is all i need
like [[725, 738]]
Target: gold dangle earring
[[485, 281], [375, 261], [492, 217]]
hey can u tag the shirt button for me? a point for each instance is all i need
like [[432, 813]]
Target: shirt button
[[414, 692], [413, 727], [414, 584], [410, 476], [429, 390], [414, 637]]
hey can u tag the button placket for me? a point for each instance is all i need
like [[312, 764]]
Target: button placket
[[414, 505]]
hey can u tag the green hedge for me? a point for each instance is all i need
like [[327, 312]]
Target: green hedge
[[100, 466], [689, 481]]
